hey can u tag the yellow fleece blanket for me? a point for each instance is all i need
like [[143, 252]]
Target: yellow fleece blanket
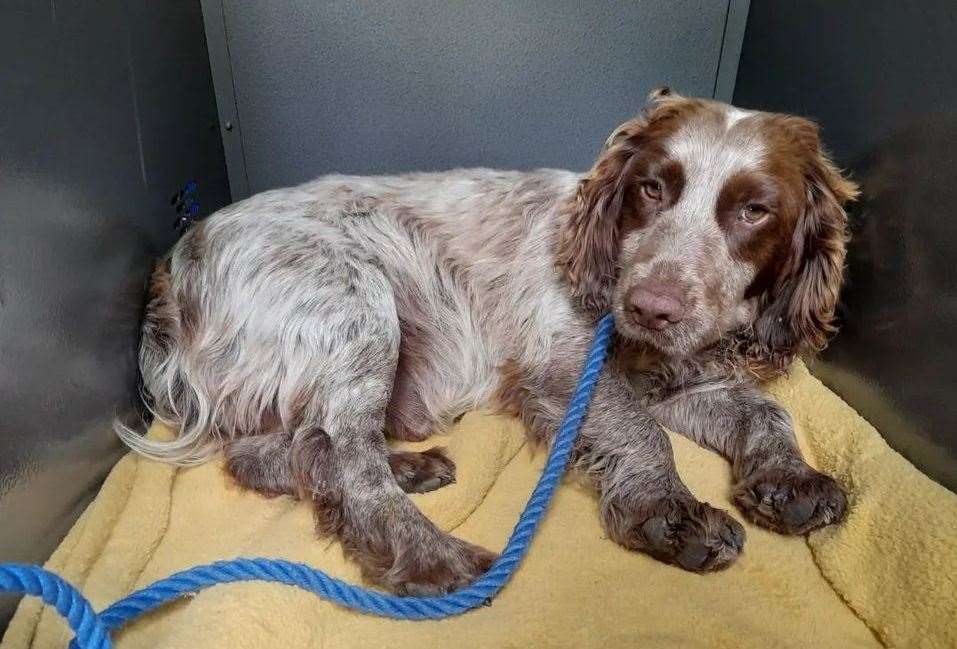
[[884, 578]]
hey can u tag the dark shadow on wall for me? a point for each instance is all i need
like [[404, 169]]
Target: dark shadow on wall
[[879, 77], [896, 356]]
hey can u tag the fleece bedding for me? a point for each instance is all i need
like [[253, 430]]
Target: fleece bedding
[[886, 577]]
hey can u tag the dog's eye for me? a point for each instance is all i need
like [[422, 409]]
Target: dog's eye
[[753, 213], [651, 189]]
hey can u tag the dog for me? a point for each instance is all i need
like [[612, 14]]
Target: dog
[[297, 330]]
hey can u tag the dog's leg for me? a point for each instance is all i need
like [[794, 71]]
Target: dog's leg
[[263, 463], [774, 487], [343, 460], [394, 543], [324, 352], [644, 504]]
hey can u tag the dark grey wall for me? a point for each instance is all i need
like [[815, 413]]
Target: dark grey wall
[[107, 107], [881, 78], [418, 85]]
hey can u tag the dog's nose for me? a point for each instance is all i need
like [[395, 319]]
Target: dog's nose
[[655, 306]]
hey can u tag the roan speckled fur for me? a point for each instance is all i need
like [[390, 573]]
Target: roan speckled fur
[[298, 329]]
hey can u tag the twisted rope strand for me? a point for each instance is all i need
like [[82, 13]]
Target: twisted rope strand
[[91, 630], [67, 600]]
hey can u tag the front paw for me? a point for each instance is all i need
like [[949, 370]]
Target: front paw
[[678, 530], [790, 500], [437, 567]]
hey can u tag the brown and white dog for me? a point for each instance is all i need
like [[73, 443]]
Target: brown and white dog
[[298, 329]]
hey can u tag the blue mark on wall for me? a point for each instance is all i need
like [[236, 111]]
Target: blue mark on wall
[[186, 202]]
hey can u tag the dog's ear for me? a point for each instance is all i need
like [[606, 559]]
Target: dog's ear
[[662, 93], [797, 317], [589, 239]]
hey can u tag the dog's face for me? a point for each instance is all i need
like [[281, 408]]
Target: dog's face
[[700, 220]]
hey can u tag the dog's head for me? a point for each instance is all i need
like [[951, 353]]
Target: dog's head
[[700, 221]]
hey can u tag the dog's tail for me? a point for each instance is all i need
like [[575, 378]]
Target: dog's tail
[[166, 390]]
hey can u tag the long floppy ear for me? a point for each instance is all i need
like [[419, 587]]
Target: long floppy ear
[[588, 245], [589, 240], [799, 311]]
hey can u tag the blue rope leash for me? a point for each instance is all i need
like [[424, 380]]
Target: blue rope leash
[[92, 629]]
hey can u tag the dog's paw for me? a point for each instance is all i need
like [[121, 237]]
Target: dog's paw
[[790, 500], [678, 530], [438, 567], [422, 472]]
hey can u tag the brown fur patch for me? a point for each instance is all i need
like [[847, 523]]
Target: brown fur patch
[[608, 203], [798, 308], [764, 245], [162, 318]]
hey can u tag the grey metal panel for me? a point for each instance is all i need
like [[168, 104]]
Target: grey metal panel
[[107, 107], [734, 26], [230, 127], [362, 87], [881, 78]]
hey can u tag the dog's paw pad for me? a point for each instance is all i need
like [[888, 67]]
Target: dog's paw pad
[[682, 531], [790, 501]]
